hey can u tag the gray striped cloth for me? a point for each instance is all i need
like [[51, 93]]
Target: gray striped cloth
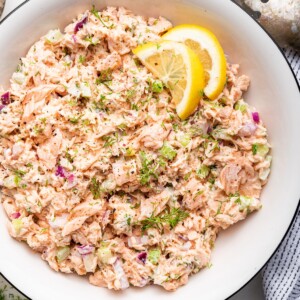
[[281, 276]]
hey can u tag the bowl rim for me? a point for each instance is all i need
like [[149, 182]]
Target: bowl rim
[[298, 85]]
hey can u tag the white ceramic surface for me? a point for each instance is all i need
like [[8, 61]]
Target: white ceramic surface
[[240, 251]]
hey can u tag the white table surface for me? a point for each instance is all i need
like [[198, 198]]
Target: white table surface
[[252, 291]]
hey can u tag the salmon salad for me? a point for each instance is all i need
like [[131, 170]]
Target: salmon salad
[[101, 176]]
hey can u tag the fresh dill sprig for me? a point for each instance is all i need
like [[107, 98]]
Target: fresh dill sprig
[[147, 170], [96, 14], [95, 188], [110, 139]]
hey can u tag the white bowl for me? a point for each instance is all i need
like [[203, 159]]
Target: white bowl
[[241, 251]]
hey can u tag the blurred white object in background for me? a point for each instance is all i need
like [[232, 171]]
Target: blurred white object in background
[[281, 18]]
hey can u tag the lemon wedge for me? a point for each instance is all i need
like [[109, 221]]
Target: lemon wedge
[[180, 70], [207, 47]]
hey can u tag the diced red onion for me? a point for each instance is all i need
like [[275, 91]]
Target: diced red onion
[[142, 257], [247, 130], [2, 106], [60, 171], [71, 178], [255, 117], [85, 249], [183, 237], [72, 181], [120, 274], [80, 24], [15, 215], [187, 245], [74, 38], [5, 98]]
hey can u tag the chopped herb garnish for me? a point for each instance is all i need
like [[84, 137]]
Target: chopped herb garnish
[[18, 176], [254, 149], [95, 188], [110, 139], [69, 157], [128, 220], [171, 218], [37, 130], [93, 41], [104, 76], [96, 14], [219, 208], [81, 59], [147, 171], [74, 120], [43, 121], [134, 106], [175, 127], [187, 176]]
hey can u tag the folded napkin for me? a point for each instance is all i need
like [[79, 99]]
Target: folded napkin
[[281, 276]]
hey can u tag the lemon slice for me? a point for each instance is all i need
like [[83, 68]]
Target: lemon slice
[[180, 70], [205, 44]]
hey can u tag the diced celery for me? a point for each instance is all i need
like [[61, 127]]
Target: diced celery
[[241, 106], [85, 90], [62, 253], [260, 149], [10, 182], [18, 225], [130, 152], [244, 202], [185, 139], [104, 254], [154, 255], [90, 262], [74, 90], [203, 171], [19, 78], [108, 185], [157, 86], [168, 152], [54, 36]]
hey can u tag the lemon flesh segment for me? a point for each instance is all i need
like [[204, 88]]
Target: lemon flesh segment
[[207, 47], [180, 70]]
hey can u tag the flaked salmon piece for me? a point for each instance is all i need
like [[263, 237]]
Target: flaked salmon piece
[[230, 178], [80, 213], [49, 151], [153, 136], [109, 63], [124, 171], [38, 93]]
